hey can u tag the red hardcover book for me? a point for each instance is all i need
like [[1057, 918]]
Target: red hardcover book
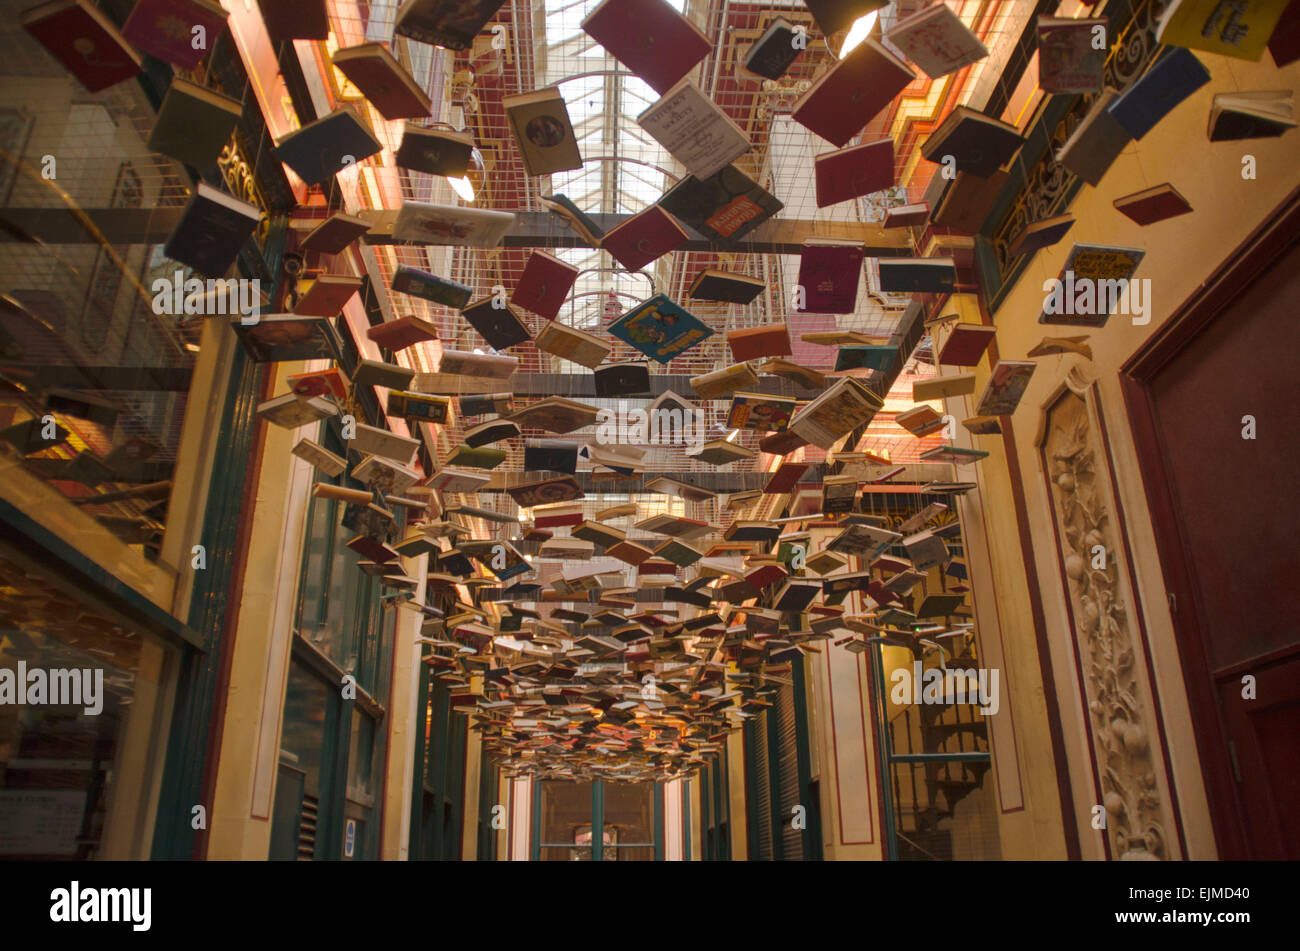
[[1153, 204], [828, 274], [852, 92], [784, 478], [645, 237], [1284, 44], [382, 80], [966, 345], [402, 333], [165, 29], [85, 41], [650, 38], [756, 342], [295, 19], [853, 172], [544, 285]]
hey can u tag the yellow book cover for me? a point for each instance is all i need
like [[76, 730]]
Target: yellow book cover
[[1236, 28]]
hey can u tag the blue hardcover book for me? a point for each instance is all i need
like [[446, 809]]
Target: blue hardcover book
[[866, 357], [660, 329], [1172, 79]]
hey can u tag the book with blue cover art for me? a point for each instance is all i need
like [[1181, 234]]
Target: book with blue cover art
[[1154, 95], [660, 329]]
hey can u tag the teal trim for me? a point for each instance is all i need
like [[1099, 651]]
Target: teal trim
[[34, 541], [884, 745], [414, 837], [597, 821], [187, 745]]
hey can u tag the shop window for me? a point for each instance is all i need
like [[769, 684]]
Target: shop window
[[81, 731]]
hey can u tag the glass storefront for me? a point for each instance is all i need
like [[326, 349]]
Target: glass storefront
[[81, 712]]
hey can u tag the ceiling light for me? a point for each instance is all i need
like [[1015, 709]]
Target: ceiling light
[[858, 32], [472, 182]]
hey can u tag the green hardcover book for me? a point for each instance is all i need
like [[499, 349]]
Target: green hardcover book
[[194, 124]]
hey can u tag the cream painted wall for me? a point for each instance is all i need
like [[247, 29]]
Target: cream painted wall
[[1180, 253], [737, 823], [240, 814]]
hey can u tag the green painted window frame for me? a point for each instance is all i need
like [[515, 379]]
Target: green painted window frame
[[598, 824], [808, 791], [438, 794]]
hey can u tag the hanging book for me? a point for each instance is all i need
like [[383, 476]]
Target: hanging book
[[1251, 115], [434, 151], [723, 286], [775, 51], [444, 23], [571, 344], [194, 124], [383, 81], [1006, 385], [1071, 54], [660, 329], [542, 130], [323, 148], [499, 326], [424, 223], [760, 413], [212, 230], [853, 172], [431, 287], [84, 40], [936, 39], [403, 332], [852, 92], [644, 237], [694, 130], [544, 284], [1240, 29], [829, 271], [1153, 204], [1157, 92], [972, 142], [334, 234], [726, 206], [170, 29], [649, 37]]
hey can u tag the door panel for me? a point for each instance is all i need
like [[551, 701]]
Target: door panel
[[1215, 424]]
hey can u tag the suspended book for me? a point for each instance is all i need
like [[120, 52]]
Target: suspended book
[[694, 130], [936, 39], [725, 206], [442, 23], [1251, 115], [323, 148], [383, 81], [660, 329], [1071, 54], [1153, 204]]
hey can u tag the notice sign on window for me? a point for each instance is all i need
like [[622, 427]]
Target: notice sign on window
[[40, 821]]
